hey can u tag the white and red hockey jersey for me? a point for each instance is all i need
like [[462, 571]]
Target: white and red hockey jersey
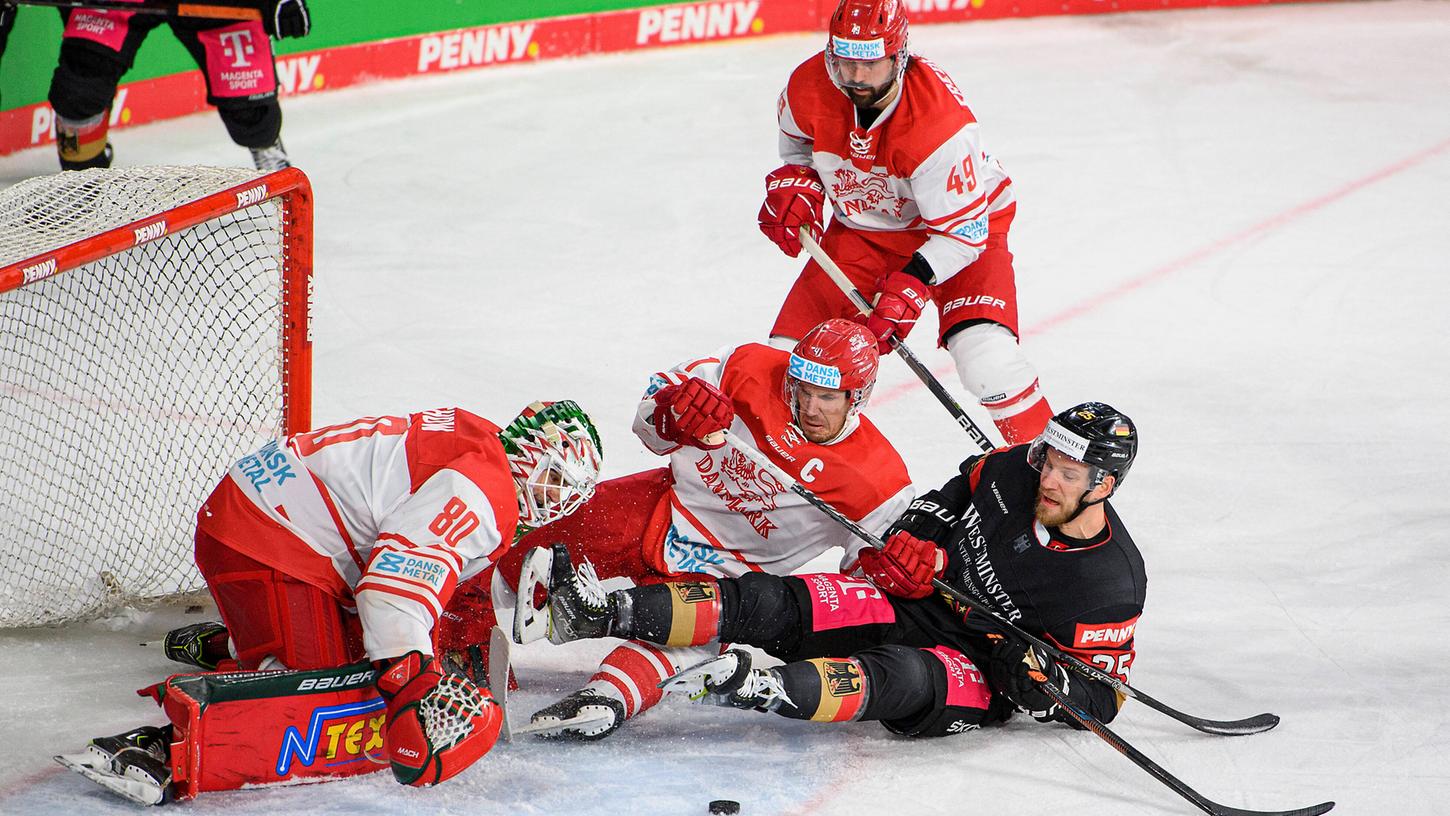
[[728, 517], [919, 166], [389, 513]]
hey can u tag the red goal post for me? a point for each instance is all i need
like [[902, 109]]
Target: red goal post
[[155, 326]]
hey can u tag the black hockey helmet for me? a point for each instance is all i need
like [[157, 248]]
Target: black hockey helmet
[[1095, 434]]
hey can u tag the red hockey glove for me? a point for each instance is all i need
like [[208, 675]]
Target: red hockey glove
[[898, 305], [691, 411], [905, 568], [438, 724], [794, 198]]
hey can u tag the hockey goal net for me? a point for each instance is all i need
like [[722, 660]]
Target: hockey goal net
[[154, 327]]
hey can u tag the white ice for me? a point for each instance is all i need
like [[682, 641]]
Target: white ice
[[1233, 226]]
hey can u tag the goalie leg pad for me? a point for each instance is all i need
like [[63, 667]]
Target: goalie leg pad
[[270, 613]]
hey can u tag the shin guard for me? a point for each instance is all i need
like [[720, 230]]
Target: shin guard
[[684, 613], [824, 689]]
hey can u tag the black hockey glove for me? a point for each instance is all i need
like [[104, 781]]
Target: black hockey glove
[[285, 18], [1011, 672], [927, 518]]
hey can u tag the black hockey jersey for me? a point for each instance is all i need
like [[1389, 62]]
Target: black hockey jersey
[[1083, 596]]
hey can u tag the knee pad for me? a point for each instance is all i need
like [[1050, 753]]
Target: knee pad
[[993, 367], [85, 80], [898, 681], [254, 124], [760, 609], [990, 362]]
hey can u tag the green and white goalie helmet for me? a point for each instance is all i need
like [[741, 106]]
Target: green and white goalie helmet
[[554, 456]]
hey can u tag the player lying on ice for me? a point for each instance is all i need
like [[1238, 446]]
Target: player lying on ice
[[711, 512], [335, 546], [1026, 528]]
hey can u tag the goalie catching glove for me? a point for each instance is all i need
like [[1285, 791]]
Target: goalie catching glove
[[688, 413], [438, 724]]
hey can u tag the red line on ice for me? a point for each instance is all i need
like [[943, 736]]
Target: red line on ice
[[1269, 224]]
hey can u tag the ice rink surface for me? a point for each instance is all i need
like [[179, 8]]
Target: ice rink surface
[[1233, 226]]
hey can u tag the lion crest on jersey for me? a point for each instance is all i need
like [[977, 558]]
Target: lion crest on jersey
[[857, 192]]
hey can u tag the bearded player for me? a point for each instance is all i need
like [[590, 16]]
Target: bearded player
[[919, 209], [336, 546], [1026, 530], [711, 512]]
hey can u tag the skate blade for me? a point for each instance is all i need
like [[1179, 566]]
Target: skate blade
[[578, 723], [531, 624], [498, 676], [691, 681], [88, 765]]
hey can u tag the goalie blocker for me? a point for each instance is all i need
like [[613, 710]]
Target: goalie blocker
[[234, 729]]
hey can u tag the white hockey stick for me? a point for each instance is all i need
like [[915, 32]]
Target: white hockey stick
[[498, 676]]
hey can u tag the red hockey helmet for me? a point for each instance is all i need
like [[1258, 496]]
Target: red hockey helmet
[[866, 31], [836, 354]]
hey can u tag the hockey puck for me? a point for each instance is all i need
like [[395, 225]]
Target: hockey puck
[[725, 806]]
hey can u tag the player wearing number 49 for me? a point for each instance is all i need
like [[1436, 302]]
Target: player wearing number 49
[[919, 209], [340, 545], [1027, 530]]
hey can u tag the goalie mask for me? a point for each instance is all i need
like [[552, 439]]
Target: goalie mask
[[837, 354], [1095, 434], [863, 36], [554, 456]]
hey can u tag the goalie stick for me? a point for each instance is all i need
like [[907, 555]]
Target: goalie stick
[[1249, 725], [902, 350], [212, 11], [498, 676]]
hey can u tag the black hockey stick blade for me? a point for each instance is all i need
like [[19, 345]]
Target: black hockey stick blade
[[1313, 810], [1256, 724], [1122, 746]]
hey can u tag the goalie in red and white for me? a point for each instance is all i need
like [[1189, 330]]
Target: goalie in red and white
[[919, 210], [711, 511], [339, 545]]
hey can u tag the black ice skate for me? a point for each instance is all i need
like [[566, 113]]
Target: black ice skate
[[583, 715], [729, 680], [135, 764], [203, 645], [574, 606], [272, 158]]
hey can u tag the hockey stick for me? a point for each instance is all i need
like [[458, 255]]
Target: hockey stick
[[1248, 725], [1122, 746], [902, 350], [1084, 718], [203, 10]]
